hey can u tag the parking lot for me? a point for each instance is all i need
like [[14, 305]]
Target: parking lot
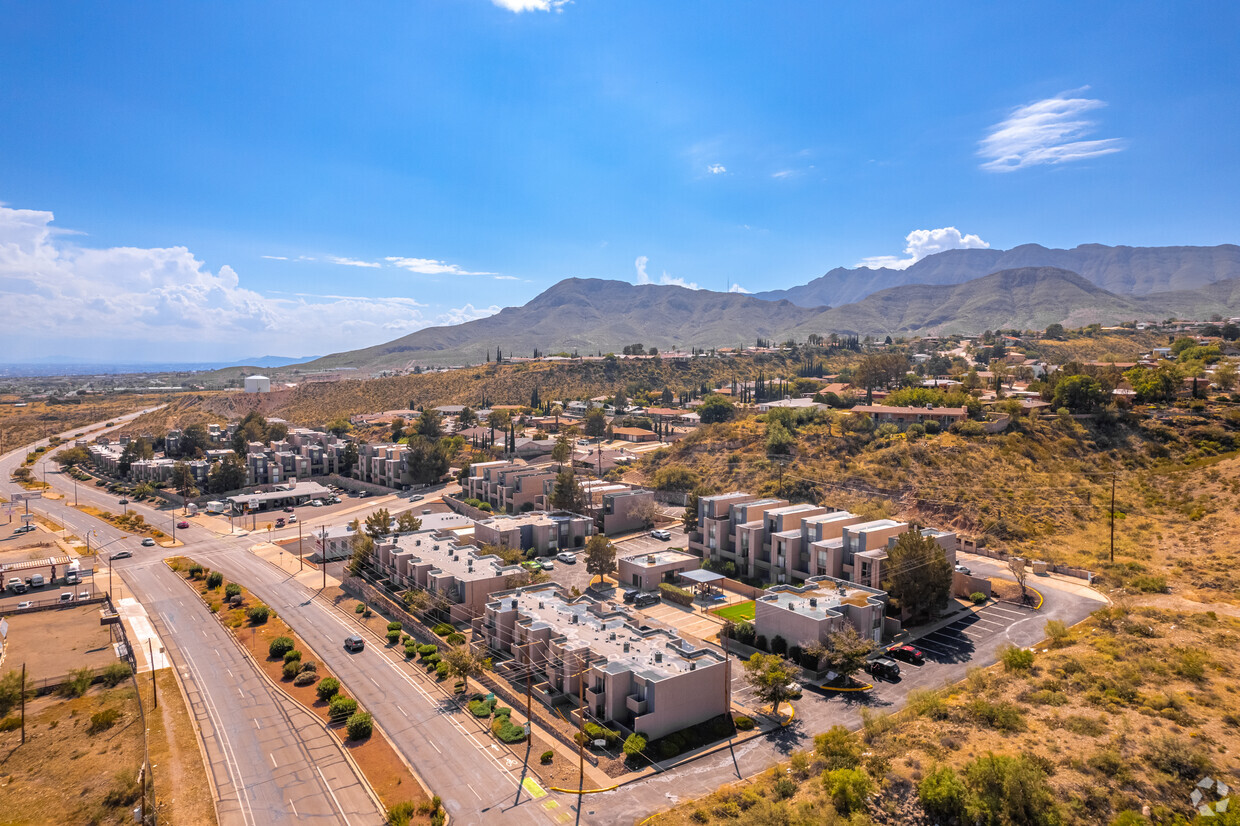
[[958, 641], [645, 543]]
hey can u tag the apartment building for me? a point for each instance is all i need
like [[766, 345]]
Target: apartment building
[[545, 532], [859, 553], [509, 487], [635, 677], [646, 570], [811, 612], [621, 511], [333, 543], [434, 562], [384, 464]]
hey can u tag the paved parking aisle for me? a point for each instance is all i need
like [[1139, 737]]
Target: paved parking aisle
[[958, 640]]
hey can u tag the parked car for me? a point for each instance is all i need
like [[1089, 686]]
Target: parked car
[[123, 501], [280, 522], [661, 534], [16, 585], [292, 519], [645, 600], [316, 504], [631, 594], [547, 565], [83, 595], [417, 497], [66, 597], [36, 581], [182, 524], [883, 669], [354, 642], [907, 653], [288, 509], [964, 570], [795, 691], [148, 543], [21, 606], [566, 557], [363, 494], [24, 529], [425, 511], [121, 555]]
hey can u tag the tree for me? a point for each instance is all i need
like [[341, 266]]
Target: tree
[[183, 481], [568, 495], [227, 474], [1226, 375], [1010, 790], [646, 512], [690, 517], [1230, 332], [666, 398], [251, 428], [427, 460], [674, 477], [918, 576], [430, 424], [595, 423], [714, 409], [348, 458], [779, 440], [339, 426], [1055, 331], [467, 418], [72, 456], [1158, 385], [562, 451], [1079, 394], [194, 441], [1016, 565], [398, 429], [462, 663], [771, 677], [844, 652], [943, 795], [408, 523], [600, 556], [276, 432], [363, 549], [378, 524]]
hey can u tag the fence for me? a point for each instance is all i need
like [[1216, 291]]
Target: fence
[[459, 506], [52, 603], [1064, 570]]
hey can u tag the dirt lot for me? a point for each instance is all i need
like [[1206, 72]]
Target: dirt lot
[[52, 642], [67, 774], [182, 793]]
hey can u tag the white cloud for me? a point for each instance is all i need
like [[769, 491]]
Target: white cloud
[[353, 262], [275, 257], [783, 173], [923, 242], [151, 304], [716, 169], [469, 312], [505, 278], [665, 279], [1045, 132], [431, 266], [519, 6], [737, 288]]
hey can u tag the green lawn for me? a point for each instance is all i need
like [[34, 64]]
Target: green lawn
[[737, 612]]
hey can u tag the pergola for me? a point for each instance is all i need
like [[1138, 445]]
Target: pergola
[[702, 581]]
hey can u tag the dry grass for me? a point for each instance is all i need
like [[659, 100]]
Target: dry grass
[[181, 789], [38, 420]]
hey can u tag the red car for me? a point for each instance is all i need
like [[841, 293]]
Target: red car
[[182, 524], [907, 653]]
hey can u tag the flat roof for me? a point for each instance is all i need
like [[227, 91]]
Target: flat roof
[[310, 489], [701, 576], [827, 599], [460, 561], [647, 560], [505, 521]]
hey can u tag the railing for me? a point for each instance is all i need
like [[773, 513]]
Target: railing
[[51, 603]]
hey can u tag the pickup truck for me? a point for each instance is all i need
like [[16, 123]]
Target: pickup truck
[[16, 585]]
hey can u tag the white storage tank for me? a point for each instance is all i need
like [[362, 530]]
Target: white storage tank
[[257, 384]]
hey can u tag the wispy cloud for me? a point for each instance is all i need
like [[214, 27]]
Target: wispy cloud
[[1046, 132], [923, 242], [716, 169], [276, 257], [519, 6], [459, 315], [505, 278], [664, 280], [737, 288], [353, 262], [431, 266], [783, 173]]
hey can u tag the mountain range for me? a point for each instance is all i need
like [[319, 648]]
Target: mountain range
[[956, 291]]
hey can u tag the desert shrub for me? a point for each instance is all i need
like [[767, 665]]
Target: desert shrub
[[359, 726], [455, 639], [968, 428], [1178, 756], [305, 678], [1010, 790], [401, 814], [1001, 716], [309, 665], [978, 597], [932, 427], [848, 788], [78, 683], [1057, 632], [547, 757], [10, 724], [394, 625], [289, 656], [783, 788], [215, 579], [1191, 664], [291, 669], [744, 723], [327, 689], [341, 707], [359, 608], [1149, 584], [258, 614], [115, 674], [1016, 659], [503, 728], [443, 629], [839, 748], [634, 745], [280, 646], [231, 590], [393, 637], [943, 794], [195, 571], [103, 720]]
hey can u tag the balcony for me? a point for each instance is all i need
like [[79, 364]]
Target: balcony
[[635, 704]]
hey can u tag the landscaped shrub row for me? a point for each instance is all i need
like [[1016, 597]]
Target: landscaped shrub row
[[692, 738], [481, 707], [674, 594], [341, 707], [503, 728], [443, 629]]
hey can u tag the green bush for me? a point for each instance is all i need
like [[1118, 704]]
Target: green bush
[[309, 665], [1001, 716], [411, 651], [78, 683], [291, 669], [327, 689], [455, 639], [115, 674], [231, 590], [359, 726], [443, 629], [10, 723], [394, 626], [848, 788], [978, 597], [943, 794], [289, 656], [258, 614], [547, 757], [667, 750], [503, 728], [932, 427], [103, 720], [481, 708], [672, 593], [427, 650], [1178, 756], [400, 815], [634, 745], [1149, 584], [839, 748], [305, 678], [280, 646], [393, 637], [744, 723], [359, 609], [431, 660], [1016, 659], [341, 707], [214, 580], [195, 571], [441, 671]]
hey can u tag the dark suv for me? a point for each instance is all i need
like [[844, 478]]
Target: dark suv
[[631, 594], [645, 600], [883, 669]]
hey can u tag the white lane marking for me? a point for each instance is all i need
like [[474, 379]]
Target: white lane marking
[[294, 808], [230, 759], [432, 742], [475, 791], [401, 710], [274, 764], [333, 794]]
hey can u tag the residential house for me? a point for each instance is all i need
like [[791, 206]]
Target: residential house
[[904, 416]]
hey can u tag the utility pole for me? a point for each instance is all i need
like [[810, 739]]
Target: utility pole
[[301, 552], [22, 689], [323, 555], [150, 647], [581, 737], [1112, 516]]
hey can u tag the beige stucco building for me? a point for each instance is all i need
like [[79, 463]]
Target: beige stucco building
[[809, 613], [647, 570]]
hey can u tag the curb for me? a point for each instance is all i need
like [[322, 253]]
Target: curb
[[865, 687], [326, 728], [583, 791]]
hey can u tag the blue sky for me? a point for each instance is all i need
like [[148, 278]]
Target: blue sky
[[205, 181]]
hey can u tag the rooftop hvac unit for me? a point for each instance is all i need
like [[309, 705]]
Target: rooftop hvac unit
[[572, 619], [540, 605], [693, 666], [514, 603], [658, 656], [813, 602], [626, 648], [612, 636]]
